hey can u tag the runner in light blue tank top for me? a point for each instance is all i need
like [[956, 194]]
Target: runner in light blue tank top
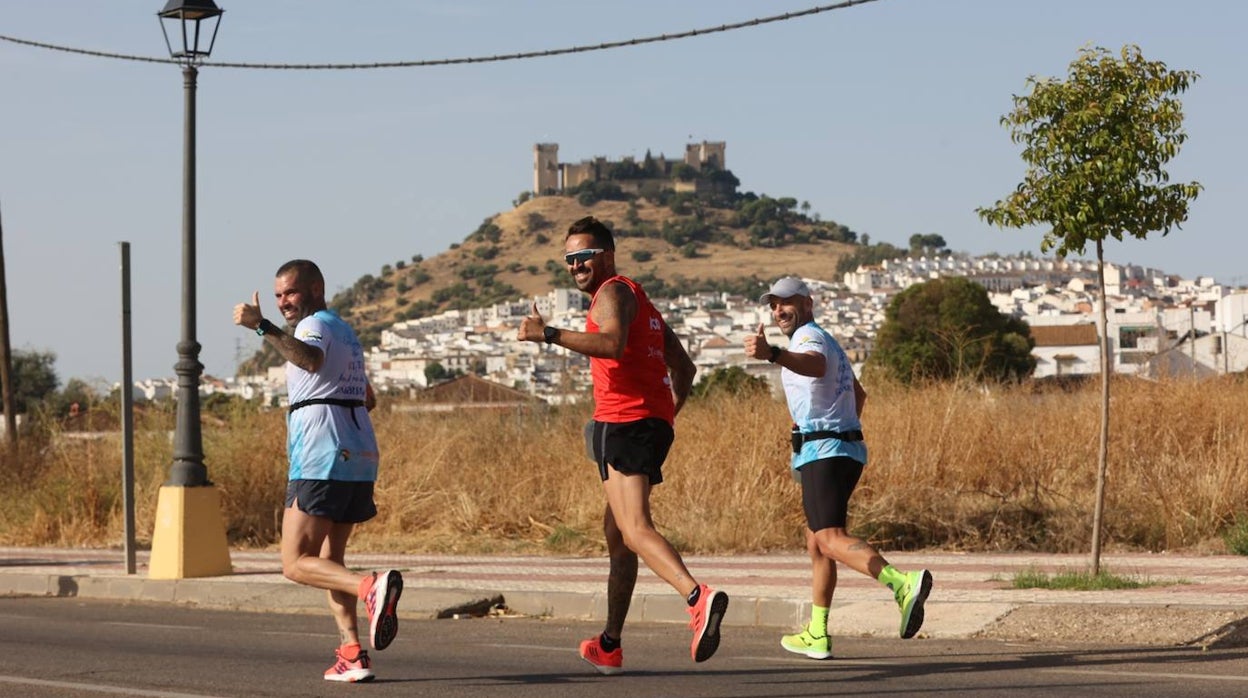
[[823, 403], [333, 462], [325, 441]]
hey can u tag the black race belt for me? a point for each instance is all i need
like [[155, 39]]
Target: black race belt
[[338, 402], [800, 438]]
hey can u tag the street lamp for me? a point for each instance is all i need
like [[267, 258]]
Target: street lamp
[[189, 540]]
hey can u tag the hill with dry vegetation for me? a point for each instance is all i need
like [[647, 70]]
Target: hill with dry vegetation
[[518, 253], [682, 244]]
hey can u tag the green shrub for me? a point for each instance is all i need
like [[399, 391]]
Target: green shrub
[[1236, 536]]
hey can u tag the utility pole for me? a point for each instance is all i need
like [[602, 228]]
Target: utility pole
[[6, 360]]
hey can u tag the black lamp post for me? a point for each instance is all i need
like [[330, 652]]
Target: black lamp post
[[189, 539], [188, 18]]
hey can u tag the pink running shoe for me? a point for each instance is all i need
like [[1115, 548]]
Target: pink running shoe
[[704, 619], [356, 670], [381, 601]]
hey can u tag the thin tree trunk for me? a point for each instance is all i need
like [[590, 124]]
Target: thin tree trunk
[[6, 360], [1098, 514]]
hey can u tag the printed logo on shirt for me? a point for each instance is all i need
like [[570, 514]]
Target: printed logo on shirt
[[810, 343], [309, 335], [654, 323]]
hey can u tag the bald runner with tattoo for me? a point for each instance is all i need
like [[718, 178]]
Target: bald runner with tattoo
[[333, 461]]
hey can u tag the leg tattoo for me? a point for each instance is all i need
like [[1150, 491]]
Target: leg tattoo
[[620, 583]]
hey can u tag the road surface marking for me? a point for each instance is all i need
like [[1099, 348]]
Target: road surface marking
[[97, 688]]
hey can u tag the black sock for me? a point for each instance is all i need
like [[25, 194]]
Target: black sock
[[692, 598], [609, 644]]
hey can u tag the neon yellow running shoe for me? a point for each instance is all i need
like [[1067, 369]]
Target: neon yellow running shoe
[[910, 599], [807, 644]]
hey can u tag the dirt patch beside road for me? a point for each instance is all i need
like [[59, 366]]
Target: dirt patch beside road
[[1147, 625]]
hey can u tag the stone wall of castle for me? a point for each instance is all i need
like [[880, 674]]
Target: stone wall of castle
[[552, 176]]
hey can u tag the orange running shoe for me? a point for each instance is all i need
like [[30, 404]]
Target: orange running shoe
[[609, 663]]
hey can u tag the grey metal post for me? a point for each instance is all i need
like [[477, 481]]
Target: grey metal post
[[188, 468], [127, 411], [1191, 309]]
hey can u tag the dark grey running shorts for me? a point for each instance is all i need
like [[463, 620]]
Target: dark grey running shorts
[[337, 500]]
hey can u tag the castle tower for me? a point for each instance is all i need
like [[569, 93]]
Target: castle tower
[[545, 168], [706, 153]]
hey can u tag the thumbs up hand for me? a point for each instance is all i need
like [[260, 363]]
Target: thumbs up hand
[[532, 327], [756, 346], [249, 315]]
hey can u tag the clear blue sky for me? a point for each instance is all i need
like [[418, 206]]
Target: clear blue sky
[[883, 116]]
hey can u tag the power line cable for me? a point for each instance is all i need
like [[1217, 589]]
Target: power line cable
[[456, 61]]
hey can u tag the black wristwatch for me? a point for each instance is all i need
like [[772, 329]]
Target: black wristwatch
[[550, 334], [265, 327], [775, 354]]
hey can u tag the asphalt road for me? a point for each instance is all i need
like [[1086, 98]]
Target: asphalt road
[[72, 647]]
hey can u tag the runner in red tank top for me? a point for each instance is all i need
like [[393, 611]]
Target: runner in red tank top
[[636, 385], [631, 351]]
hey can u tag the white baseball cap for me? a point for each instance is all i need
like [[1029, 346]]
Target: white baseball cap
[[787, 287]]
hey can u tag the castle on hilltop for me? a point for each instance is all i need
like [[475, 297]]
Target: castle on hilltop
[[553, 177]]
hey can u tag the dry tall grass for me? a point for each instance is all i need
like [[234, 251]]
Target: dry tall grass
[[955, 468]]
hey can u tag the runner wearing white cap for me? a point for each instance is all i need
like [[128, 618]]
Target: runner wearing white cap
[[825, 402]]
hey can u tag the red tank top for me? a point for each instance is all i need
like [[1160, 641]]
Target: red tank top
[[635, 386]]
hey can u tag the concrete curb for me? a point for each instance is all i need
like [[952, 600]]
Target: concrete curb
[[862, 618], [1196, 595]]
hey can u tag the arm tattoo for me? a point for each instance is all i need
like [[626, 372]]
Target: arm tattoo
[[303, 355], [613, 312]]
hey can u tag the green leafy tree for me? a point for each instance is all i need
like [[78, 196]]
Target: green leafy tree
[[34, 378], [435, 373], [536, 221], [947, 329], [1096, 145], [868, 254], [76, 392], [730, 380], [684, 172], [927, 244], [649, 166]]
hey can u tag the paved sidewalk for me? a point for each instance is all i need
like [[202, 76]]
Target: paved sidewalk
[[971, 591]]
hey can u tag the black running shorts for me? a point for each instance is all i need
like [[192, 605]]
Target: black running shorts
[[826, 487], [632, 447], [337, 500]]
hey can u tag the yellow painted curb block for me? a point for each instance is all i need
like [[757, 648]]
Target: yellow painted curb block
[[189, 540]]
